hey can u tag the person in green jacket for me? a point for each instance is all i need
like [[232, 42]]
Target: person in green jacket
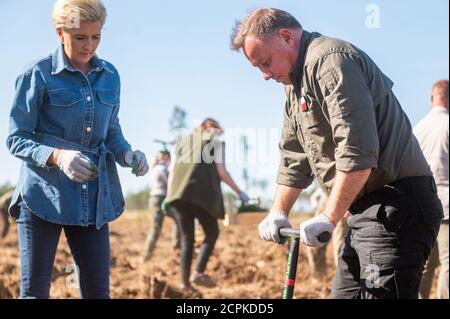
[[197, 169]]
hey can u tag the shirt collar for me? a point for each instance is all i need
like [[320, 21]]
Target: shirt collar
[[439, 108], [297, 71], [60, 63]]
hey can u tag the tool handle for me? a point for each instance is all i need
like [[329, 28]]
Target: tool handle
[[291, 268], [295, 233]]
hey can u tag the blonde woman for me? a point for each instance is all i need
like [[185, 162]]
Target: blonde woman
[[64, 126]]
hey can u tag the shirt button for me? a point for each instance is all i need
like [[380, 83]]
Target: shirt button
[[88, 129], [84, 186], [89, 99]]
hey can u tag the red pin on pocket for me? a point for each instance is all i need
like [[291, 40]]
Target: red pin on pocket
[[303, 104]]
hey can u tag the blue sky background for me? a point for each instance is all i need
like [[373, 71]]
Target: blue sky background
[[177, 53]]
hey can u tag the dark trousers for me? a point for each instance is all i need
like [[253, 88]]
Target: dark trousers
[[390, 237], [38, 241], [185, 214]]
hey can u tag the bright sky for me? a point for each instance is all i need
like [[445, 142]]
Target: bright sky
[[177, 53]]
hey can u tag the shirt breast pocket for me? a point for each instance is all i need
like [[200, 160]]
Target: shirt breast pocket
[[65, 110], [64, 98], [319, 132], [108, 98]]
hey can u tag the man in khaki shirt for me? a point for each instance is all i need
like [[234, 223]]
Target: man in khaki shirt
[[344, 126]]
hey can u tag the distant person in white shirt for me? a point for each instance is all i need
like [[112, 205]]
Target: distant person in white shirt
[[158, 192], [432, 133]]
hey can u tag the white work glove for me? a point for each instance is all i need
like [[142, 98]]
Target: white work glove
[[312, 228], [76, 166], [138, 162], [243, 197], [269, 228]]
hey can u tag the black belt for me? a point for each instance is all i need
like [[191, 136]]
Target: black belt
[[409, 185]]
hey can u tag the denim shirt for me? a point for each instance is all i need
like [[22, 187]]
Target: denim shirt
[[57, 106]]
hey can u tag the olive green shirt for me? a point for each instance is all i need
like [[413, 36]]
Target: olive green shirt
[[341, 114], [194, 176]]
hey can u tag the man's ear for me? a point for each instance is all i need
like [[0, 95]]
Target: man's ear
[[286, 36]]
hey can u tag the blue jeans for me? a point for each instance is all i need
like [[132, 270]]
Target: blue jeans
[[38, 240]]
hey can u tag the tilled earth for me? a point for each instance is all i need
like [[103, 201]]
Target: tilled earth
[[242, 265]]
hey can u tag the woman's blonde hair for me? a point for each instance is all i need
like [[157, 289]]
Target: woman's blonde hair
[[67, 14]]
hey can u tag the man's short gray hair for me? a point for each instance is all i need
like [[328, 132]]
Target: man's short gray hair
[[262, 23]]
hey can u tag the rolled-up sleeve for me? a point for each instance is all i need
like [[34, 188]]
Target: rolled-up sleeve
[[352, 114], [294, 170], [21, 141]]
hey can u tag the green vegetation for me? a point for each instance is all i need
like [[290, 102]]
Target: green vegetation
[[138, 200]]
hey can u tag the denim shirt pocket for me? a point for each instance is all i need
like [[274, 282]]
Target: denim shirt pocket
[[64, 97], [108, 97], [64, 109]]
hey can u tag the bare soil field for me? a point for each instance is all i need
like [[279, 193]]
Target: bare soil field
[[242, 265]]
